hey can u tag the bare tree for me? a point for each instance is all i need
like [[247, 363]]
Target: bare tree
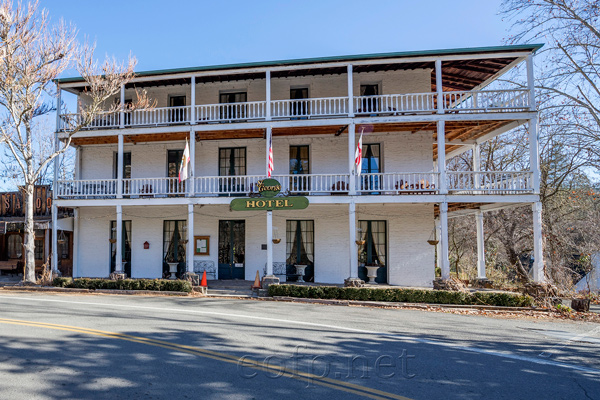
[[33, 53]]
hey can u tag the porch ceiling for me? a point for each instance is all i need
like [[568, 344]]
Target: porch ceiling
[[455, 131], [457, 207]]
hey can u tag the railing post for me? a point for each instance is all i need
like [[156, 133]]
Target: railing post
[[268, 95], [192, 173], [351, 166], [193, 101], [350, 92], [438, 86], [120, 167], [530, 82], [122, 108], [476, 165], [441, 156]]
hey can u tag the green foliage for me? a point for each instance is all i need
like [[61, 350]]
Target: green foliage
[[160, 285], [402, 295]]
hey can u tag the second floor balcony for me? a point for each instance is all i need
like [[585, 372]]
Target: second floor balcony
[[454, 102], [369, 184]]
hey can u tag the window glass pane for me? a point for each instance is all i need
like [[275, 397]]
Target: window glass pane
[[232, 161], [39, 249], [173, 162], [15, 246]]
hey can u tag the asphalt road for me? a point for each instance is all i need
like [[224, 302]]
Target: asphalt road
[[131, 347]]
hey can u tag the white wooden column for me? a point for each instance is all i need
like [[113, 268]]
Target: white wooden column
[[438, 246], [531, 82], [350, 92], [351, 150], [122, 108], [441, 156], [534, 154], [268, 95], [477, 165], [190, 239], [47, 244], [75, 242], [119, 244], [538, 246], [438, 86], [353, 256], [78, 162], [120, 166], [192, 166], [58, 107], [193, 101], [269, 138], [445, 261], [269, 243], [54, 257], [480, 245]]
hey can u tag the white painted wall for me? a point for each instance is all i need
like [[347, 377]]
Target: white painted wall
[[401, 152], [410, 258]]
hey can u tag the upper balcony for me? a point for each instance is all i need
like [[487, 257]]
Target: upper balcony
[[385, 86], [456, 102]]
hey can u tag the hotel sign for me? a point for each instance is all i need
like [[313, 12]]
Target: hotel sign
[[268, 189]]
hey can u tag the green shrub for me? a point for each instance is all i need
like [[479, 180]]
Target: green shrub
[[161, 285], [402, 295]]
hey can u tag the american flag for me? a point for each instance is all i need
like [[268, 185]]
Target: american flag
[[358, 155], [270, 166]]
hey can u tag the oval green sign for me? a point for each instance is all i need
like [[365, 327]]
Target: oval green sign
[[268, 187]]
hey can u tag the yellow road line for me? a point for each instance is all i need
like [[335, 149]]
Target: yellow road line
[[286, 372]]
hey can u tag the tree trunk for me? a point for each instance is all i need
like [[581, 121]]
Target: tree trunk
[[29, 242]]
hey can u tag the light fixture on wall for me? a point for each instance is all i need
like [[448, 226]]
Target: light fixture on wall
[[360, 241], [276, 239], [433, 237]]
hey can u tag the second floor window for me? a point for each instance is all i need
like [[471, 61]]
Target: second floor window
[[126, 165], [299, 160], [232, 161], [179, 113], [174, 162]]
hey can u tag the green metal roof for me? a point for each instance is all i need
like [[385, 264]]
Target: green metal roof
[[359, 57]]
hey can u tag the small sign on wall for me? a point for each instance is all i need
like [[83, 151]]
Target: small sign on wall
[[201, 245]]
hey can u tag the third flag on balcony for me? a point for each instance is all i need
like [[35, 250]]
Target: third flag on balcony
[[270, 166], [358, 155], [185, 160]]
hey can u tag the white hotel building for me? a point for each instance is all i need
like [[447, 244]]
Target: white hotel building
[[416, 109]]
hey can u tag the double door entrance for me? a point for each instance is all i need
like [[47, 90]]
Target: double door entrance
[[232, 249]]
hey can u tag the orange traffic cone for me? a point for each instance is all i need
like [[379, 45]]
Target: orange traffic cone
[[203, 282], [256, 284]]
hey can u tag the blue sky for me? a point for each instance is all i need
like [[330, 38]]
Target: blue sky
[[181, 33]]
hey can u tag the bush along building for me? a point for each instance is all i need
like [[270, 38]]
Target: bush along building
[[360, 142], [12, 230]]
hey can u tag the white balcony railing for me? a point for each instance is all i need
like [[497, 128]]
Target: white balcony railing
[[395, 103], [159, 116], [490, 182], [87, 189], [398, 183], [304, 108], [487, 100], [252, 110], [382, 105], [461, 182]]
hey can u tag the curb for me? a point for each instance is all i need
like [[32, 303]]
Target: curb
[[102, 291], [383, 304]]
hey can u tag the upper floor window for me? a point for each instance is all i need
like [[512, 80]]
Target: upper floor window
[[179, 113], [174, 162], [232, 161], [126, 165], [299, 160]]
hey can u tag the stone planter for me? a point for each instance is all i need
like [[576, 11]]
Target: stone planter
[[173, 269]]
